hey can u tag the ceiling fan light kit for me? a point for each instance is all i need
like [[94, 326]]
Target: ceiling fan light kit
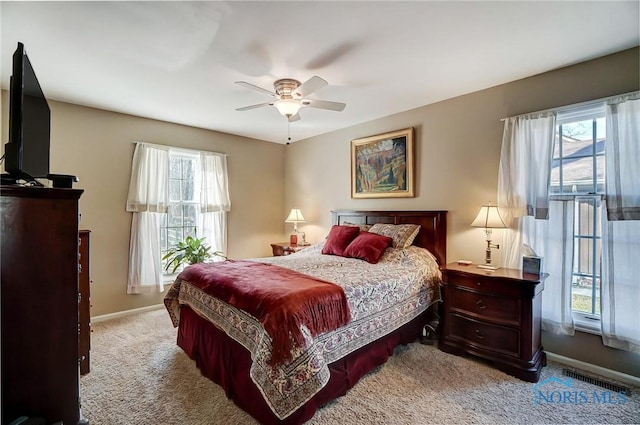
[[288, 107], [291, 96]]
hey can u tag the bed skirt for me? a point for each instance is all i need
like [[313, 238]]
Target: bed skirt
[[227, 363]]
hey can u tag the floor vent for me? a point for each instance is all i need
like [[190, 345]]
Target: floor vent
[[597, 381]]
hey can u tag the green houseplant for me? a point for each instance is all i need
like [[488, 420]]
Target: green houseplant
[[191, 251]]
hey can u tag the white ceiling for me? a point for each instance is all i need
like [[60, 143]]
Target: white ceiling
[[178, 61]]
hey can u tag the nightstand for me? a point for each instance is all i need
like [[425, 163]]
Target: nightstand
[[285, 248], [495, 315]]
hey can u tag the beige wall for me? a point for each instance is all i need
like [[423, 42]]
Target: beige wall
[[97, 146], [457, 156]]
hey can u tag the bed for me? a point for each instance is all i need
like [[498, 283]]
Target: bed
[[237, 352]]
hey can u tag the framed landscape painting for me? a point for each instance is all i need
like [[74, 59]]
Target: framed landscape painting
[[382, 165]]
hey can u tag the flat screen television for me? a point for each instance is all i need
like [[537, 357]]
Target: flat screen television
[[27, 152]]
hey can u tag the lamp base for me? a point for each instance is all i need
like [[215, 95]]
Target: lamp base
[[487, 267]]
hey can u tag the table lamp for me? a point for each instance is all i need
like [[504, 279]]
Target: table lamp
[[295, 216], [489, 218]]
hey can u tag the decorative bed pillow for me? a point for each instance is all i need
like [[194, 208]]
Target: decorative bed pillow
[[368, 247], [363, 227], [338, 239], [402, 234]]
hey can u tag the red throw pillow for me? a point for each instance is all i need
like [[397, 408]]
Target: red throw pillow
[[368, 247], [338, 239]]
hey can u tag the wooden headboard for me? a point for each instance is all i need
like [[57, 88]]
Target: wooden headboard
[[433, 224]]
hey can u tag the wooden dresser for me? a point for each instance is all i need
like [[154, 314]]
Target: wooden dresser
[[494, 315], [84, 308], [39, 291]]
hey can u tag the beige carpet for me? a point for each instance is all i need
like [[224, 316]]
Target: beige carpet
[[139, 376]]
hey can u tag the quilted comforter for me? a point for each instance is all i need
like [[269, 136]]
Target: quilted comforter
[[381, 298]]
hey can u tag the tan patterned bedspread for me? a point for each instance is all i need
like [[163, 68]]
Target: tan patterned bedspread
[[382, 297]]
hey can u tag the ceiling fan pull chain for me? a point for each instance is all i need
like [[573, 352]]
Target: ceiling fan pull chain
[[288, 132]]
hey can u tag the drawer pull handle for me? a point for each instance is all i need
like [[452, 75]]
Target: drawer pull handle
[[481, 304], [479, 334]]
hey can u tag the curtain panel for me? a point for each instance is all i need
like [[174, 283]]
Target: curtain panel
[[553, 240], [620, 281], [525, 164], [523, 176], [215, 184], [215, 201], [148, 199], [145, 262], [620, 285], [149, 184], [622, 158]]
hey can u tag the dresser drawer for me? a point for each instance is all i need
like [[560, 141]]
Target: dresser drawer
[[496, 338], [485, 284], [485, 306]]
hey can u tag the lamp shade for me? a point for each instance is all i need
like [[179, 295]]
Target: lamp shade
[[295, 216], [288, 107], [489, 218]]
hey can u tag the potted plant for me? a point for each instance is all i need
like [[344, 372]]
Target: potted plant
[[191, 251]]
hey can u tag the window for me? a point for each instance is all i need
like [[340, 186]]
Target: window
[[182, 218], [173, 193], [585, 292], [570, 180], [577, 175], [578, 155]]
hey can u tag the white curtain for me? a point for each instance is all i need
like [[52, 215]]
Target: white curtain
[[523, 176], [215, 202], [620, 281], [148, 199], [544, 225], [553, 240], [620, 285], [622, 158]]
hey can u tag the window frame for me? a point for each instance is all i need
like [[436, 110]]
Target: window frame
[[583, 321], [168, 278]]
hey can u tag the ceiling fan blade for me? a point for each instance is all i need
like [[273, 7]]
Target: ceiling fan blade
[[260, 105], [312, 84], [294, 118], [256, 88], [324, 104]]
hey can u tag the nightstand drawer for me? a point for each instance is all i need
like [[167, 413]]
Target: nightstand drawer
[[496, 338], [485, 306], [486, 284]]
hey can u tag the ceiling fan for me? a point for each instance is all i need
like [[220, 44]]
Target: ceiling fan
[[291, 96]]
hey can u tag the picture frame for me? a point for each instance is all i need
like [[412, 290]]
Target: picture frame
[[382, 166]]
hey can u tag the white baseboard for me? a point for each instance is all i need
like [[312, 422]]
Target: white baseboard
[[118, 314], [598, 370]]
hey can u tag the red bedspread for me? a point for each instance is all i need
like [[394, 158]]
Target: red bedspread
[[281, 299]]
